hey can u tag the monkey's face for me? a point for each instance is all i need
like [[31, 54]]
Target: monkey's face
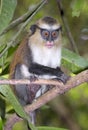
[[47, 33], [50, 36]]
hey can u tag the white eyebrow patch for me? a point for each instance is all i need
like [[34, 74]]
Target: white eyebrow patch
[[46, 26]]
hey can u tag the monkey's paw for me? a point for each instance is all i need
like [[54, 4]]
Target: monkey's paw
[[33, 78], [64, 78]]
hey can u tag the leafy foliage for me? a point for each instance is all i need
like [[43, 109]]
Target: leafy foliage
[[76, 7], [73, 62], [6, 14], [50, 128], [6, 91]]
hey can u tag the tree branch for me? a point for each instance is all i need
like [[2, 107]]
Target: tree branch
[[21, 19], [65, 22], [59, 88], [13, 40]]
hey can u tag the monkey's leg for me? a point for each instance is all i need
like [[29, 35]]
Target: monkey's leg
[[53, 73], [25, 93]]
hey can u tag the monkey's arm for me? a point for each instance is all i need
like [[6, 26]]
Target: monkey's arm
[[55, 73]]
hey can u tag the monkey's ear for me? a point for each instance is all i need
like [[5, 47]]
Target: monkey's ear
[[33, 28]]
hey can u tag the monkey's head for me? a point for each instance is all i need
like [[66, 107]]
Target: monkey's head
[[46, 32]]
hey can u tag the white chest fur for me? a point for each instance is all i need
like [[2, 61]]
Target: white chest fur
[[50, 57]]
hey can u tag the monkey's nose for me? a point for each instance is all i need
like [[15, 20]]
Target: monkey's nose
[[49, 44]]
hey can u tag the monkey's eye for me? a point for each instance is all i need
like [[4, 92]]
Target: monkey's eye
[[45, 34], [55, 34]]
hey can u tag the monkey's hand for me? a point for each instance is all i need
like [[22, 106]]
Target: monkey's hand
[[61, 76], [64, 78], [50, 73]]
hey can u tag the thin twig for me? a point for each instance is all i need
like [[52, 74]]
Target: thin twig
[[26, 81], [57, 90], [20, 20], [65, 22], [13, 41]]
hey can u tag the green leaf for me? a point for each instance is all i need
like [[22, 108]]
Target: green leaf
[[6, 12], [2, 107], [3, 58], [1, 124], [77, 7], [21, 125], [7, 92], [49, 128], [73, 62]]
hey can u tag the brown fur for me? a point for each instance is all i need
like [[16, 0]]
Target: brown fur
[[19, 56], [47, 20]]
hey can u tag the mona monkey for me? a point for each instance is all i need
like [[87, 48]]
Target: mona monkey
[[38, 56]]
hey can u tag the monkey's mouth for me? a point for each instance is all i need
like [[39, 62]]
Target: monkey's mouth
[[49, 44]]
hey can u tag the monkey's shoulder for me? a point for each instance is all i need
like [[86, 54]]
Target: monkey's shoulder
[[21, 56]]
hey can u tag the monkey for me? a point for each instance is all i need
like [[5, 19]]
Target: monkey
[[38, 56]]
